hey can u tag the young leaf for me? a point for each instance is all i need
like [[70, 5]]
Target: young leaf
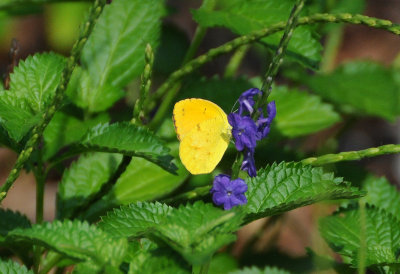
[[243, 17], [300, 113], [382, 194], [286, 186], [10, 267], [130, 140], [84, 179], [77, 240], [134, 219], [197, 230], [143, 180], [365, 86], [255, 270], [32, 86], [382, 236], [55, 136], [10, 220], [114, 52]]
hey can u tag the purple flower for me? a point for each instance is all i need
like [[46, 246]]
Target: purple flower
[[264, 123], [246, 100], [244, 131], [228, 193], [249, 164]]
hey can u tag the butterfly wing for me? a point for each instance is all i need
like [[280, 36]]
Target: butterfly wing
[[190, 112], [202, 148]]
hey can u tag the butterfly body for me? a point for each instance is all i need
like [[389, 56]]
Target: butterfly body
[[204, 132]]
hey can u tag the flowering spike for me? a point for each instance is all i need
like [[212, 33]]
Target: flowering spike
[[227, 192]]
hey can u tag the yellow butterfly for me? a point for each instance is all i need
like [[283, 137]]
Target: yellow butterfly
[[204, 132]]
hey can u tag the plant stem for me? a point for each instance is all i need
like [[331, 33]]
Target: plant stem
[[235, 61], [195, 193], [363, 244], [333, 41], [40, 183], [202, 269], [37, 131], [51, 260], [236, 165], [257, 35], [396, 62]]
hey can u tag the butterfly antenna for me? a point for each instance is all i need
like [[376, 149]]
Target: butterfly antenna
[[234, 105]]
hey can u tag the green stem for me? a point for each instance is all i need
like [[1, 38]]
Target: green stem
[[51, 260], [352, 155], [236, 165], [235, 61], [202, 269], [280, 52], [40, 183], [195, 193], [333, 42], [37, 131], [257, 35], [363, 244], [396, 62]]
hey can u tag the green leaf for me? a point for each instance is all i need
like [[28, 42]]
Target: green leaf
[[83, 180], [222, 263], [77, 240], [243, 17], [114, 52], [10, 220], [11, 267], [286, 186], [33, 84], [299, 113], [197, 230], [55, 136], [343, 232], [362, 85], [134, 219], [255, 270], [143, 180], [382, 195], [130, 140]]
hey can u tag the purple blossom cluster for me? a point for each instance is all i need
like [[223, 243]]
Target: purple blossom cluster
[[246, 132]]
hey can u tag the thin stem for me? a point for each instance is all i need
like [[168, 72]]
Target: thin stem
[[51, 260], [37, 131], [333, 42], [235, 61], [236, 165], [363, 244], [202, 269], [195, 193], [396, 62], [280, 52], [191, 66], [40, 183]]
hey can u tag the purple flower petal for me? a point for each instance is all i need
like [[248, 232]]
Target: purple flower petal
[[246, 100], [228, 193]]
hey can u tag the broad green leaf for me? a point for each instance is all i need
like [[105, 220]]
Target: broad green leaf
[[77, 240], [83, 180], [255, 270], [147, 257], [65, 129], [134, 219], [344, 6], [11, 267], [222, 263], [33, 84], [299, 113], [363, 85], [144, 180], [382, 194], [10, 220], [114, 52], [197, 230], [343, 232], [286, 186], [130, 140], [243, 17]]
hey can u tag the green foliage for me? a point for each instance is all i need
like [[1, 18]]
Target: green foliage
[[382, 194], [286, 186], [11, 267], [84, 179], [10, 220], [363, 85], [381, 244], [55, 136], [33, 84], [130, 140], [197, 230], [255, 270], [114, 52], [300, 113], [76, 240], [243, 17], [222, 263], [134, 219]]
